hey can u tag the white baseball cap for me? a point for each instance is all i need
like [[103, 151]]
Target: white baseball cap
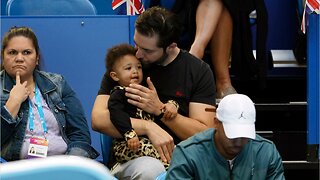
[[237, 114]]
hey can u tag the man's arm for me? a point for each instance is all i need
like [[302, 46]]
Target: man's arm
[[182, 126], [275, 169], [100, 117], [198, 120], [100, 120]]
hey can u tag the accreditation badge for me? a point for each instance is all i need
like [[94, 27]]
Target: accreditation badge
[[38, 147]]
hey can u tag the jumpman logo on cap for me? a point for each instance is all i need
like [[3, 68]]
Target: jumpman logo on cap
[[241, 116]]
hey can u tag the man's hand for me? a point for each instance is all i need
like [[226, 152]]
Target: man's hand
[[145, 98], [161, 140]]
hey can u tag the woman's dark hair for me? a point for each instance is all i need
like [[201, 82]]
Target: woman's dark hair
[[20, 31], [161, 22]]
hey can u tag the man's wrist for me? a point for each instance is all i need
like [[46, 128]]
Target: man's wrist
[[174, 103], [159, 116]]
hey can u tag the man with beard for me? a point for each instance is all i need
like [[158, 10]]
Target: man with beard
[[172, 75]]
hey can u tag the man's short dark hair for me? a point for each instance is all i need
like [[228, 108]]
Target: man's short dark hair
[[158, 20]]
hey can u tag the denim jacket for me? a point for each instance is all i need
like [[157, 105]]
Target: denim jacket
[[65, 106]]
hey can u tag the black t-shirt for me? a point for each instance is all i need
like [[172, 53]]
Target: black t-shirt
[[186, 79]]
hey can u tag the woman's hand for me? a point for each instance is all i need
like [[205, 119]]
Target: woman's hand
[[19, 92]]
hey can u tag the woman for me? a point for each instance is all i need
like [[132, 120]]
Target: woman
[[39, 110]]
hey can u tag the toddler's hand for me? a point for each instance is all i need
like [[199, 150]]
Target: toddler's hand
[[134, 143], [171, 111]]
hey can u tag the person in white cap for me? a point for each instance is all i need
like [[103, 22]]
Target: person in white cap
[[232, 150]]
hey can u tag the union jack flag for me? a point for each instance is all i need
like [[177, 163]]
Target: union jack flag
[[311, 6], [127, 7]]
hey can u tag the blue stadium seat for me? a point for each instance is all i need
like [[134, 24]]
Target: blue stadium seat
[[106, 142], [49, 7], [168, 4], [2, 160], [162, 176], [55, 167]]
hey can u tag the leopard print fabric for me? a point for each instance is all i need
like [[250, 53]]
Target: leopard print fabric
[[123, 154]]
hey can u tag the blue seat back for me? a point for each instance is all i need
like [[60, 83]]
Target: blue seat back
[[50, 7], [168, 4], [106, 142], [55, 167], [162, 176], [2, 160]]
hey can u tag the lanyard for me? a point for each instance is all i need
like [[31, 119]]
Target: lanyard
[[40, 110]]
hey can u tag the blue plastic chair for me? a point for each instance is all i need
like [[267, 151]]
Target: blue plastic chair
[[106, 142], [162, 176], [168, 4], [55, 167], [50, 7], [2, 160]]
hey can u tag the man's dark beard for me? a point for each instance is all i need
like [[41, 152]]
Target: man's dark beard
[[161, 59], [157, 62]]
